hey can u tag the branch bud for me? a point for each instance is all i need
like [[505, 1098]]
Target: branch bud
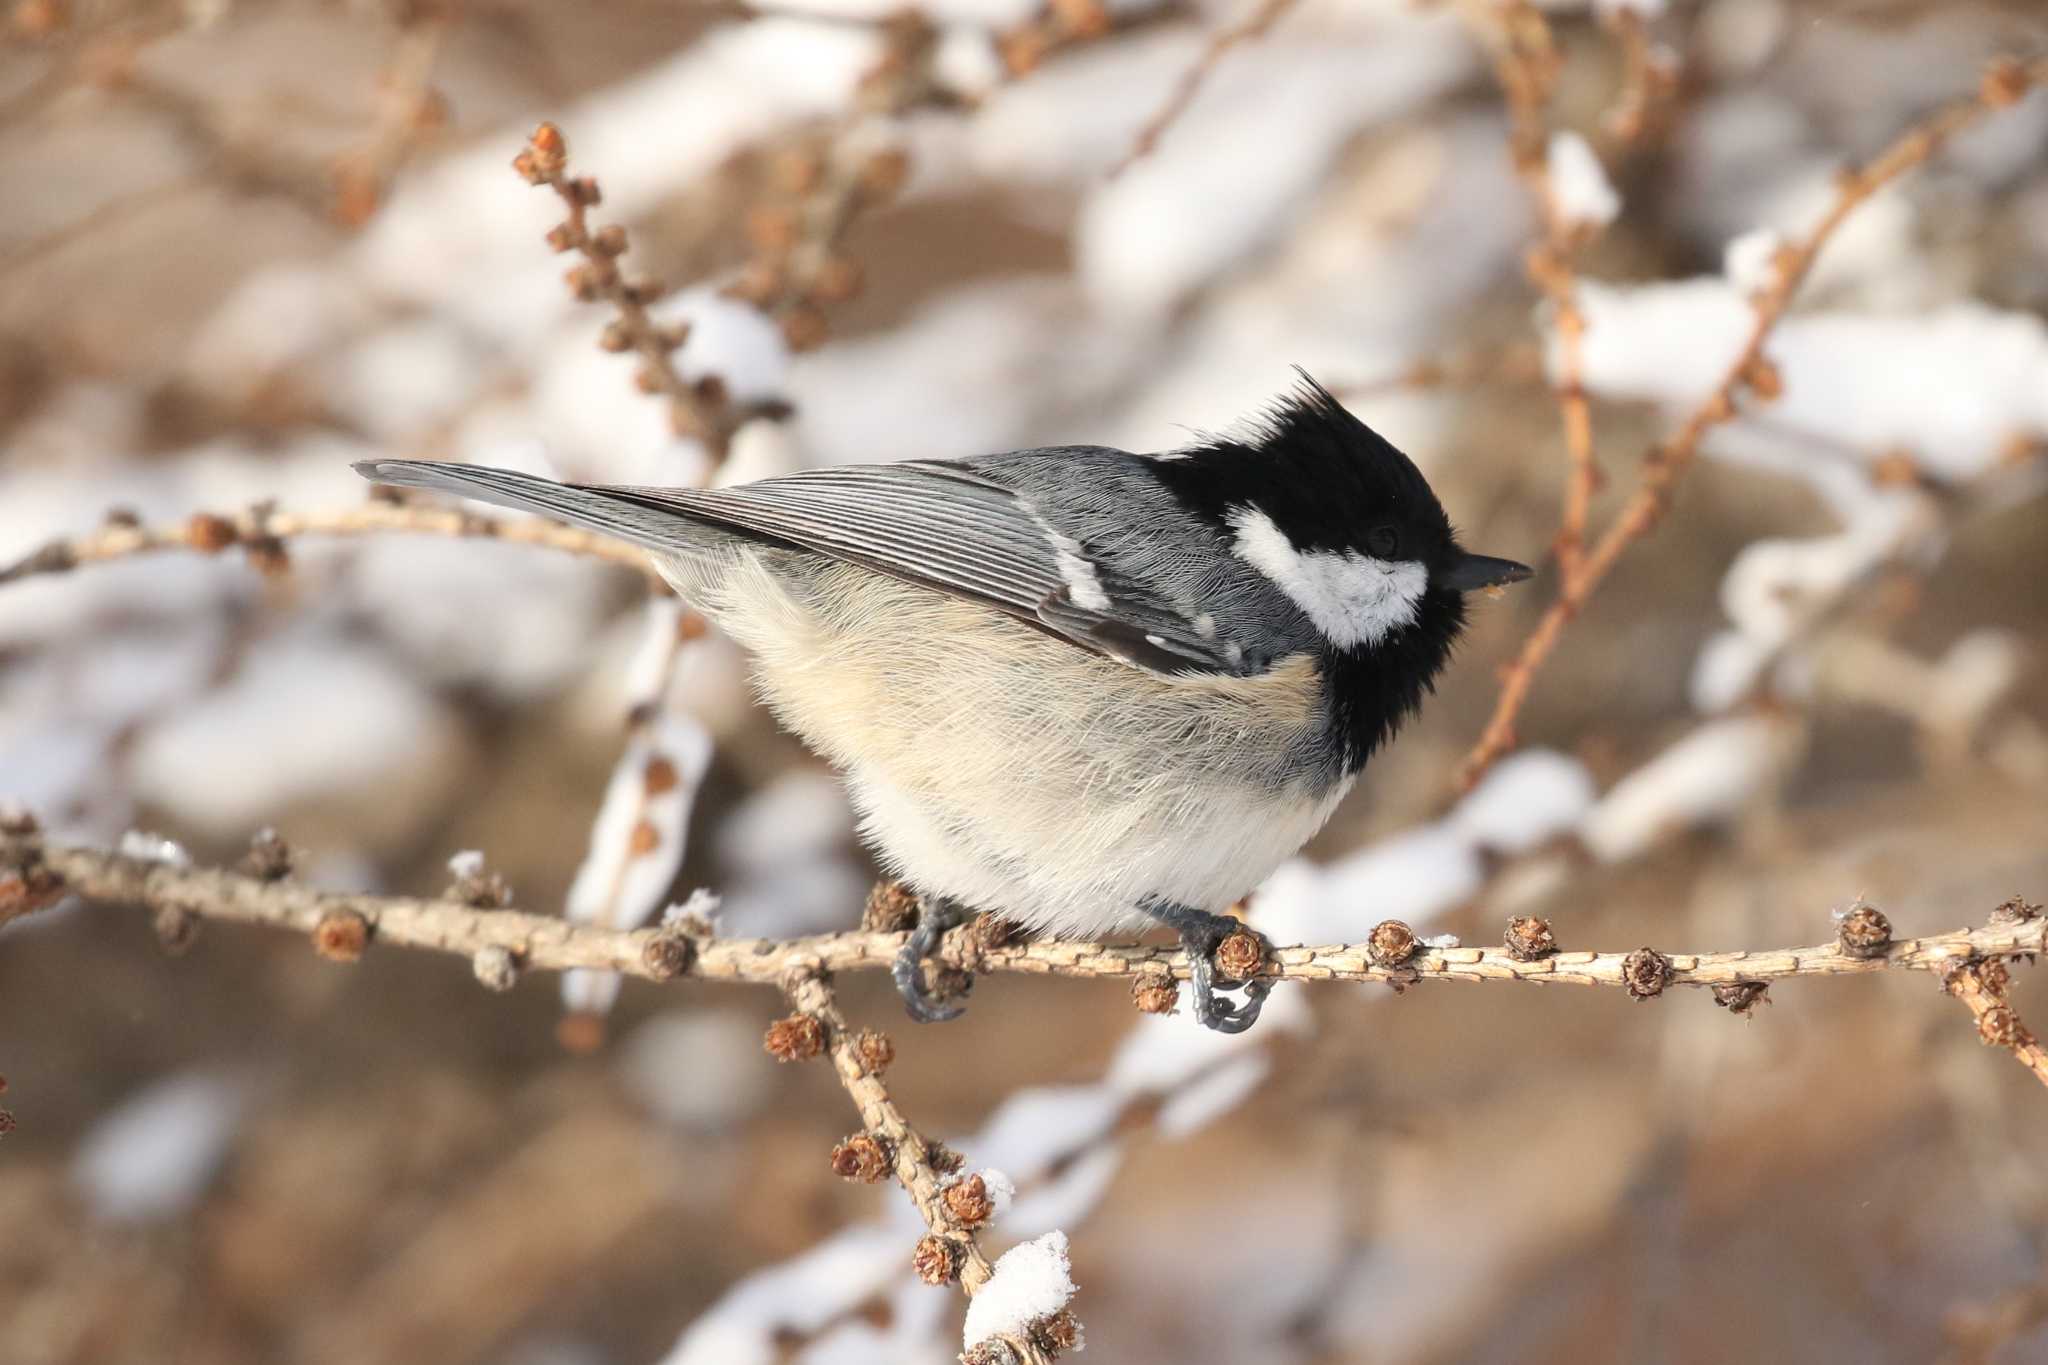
[[875, 1051], [495, 967], [1740, 997], [1239, 956], [1154, 992], [1864, 932], [795, 1038], [269, 858], [1390, 943], [668, 955], [936, 1260], [341, 936], [1529, 939], [1645, 973], [968, 1202], [863, 1157], [891, 909]]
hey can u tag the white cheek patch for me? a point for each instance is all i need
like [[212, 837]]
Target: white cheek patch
[[1354, 599]]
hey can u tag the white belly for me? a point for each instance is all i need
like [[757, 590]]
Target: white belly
[[1084, 881], [1019, 774]]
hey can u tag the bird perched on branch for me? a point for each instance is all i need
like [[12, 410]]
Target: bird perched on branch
[[1079, 689]]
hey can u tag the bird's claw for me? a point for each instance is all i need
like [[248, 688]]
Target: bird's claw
[[1212, 1008], [934, 918]]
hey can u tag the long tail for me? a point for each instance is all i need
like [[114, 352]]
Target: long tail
[[614, 512]]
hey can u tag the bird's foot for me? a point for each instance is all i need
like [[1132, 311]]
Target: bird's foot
[[934, 918], [1202, 935]]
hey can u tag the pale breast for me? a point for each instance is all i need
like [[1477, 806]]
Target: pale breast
[[1021, 774]]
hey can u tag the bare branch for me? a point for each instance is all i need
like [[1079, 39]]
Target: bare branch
[[1520, 363], [1060, 25], [1978, 1332], [1981, 986], [659, 954], [1525, 66], [409, 112], [704, 409], [1649, 84], [1667, 463], [799, 268], [1264, 14], [915, 1161], [258, 528]]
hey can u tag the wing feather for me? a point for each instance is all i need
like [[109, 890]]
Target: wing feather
[[961, 532]]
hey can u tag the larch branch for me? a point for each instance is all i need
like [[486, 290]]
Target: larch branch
[[1263, 15], [660, 954], [705, 409], [2006, 81], [260, 527], [1981, 986], [913, 1158], [1979, 1332], [1525, 61]]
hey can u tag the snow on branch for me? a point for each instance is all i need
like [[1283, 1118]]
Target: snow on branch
[[1750, 373]]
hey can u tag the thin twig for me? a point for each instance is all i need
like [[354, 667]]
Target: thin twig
[[703, 410], [911, 1155], [799, 269], [1668, 461], [1060, 25], [1264, 14], [1560, 282], [211, 533], [547, 943], [1649, 84], [827, 180], [1521, 363], [1981, 986], [1525, 65], [409, 110], [109, 213], [1977, 1332]]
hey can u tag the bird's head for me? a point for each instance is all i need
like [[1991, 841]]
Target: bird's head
[[1345, 525]]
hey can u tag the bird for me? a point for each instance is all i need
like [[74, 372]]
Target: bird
[[1076, 688]]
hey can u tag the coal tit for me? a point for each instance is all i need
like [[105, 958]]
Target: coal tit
[[1080, 689]]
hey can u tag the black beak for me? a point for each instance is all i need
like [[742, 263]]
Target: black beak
[[1468, 573]]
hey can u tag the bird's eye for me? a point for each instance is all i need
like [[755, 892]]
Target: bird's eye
[[1383, 541]]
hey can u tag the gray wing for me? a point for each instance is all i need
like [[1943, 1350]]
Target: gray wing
[[961, 531]]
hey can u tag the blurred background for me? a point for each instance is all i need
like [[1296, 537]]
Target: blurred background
[[246, 241]]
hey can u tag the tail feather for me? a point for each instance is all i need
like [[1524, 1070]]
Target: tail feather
[[596, 509]]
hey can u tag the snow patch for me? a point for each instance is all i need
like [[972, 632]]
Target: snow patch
[[1032, 1280]]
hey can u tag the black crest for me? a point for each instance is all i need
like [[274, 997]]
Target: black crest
[[1325, 478]]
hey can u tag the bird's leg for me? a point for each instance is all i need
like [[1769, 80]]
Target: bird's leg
[[1200, 934], [934, 918]]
